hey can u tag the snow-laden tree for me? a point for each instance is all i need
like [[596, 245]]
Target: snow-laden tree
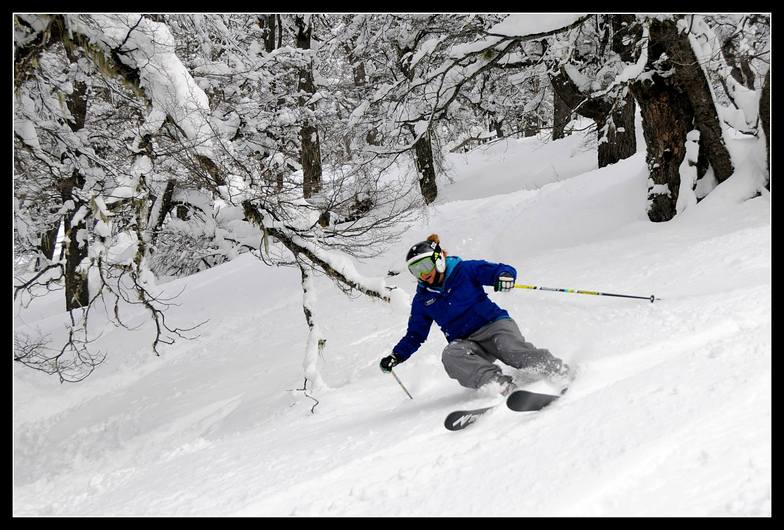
[[509, 99], [83, 132], [745, 45], [677, 87], [443, 60], [160, 145], [586, 67], [188, 164], [673, 66]]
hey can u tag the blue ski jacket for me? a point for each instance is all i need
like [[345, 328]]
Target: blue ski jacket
[[460, 306]]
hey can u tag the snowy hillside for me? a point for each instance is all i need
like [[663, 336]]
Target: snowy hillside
[[670, 414]]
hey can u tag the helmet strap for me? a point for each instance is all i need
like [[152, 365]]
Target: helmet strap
[[439, 259]]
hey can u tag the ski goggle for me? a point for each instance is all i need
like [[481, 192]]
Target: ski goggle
[[422, 266]]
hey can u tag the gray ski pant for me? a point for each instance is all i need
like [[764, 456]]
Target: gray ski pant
[[471, 360]]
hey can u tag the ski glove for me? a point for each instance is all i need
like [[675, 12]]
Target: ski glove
[[504, 283], [389, 362]]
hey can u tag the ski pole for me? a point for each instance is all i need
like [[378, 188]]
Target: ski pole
[[579, 291], [401, 384]]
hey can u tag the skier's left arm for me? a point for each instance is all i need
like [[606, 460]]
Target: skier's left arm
[[500, 276]]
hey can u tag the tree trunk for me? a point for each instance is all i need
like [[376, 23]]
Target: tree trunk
[[373, 137], [671, 106], [427, 173], [497, 126], [76, 288], [47, 244], [76, 291], [357, 67], [76, 101], [532, 122], [626, 34], [621, 139], [310, 158], [269, 24], [694, 84], [423, 149], [360, 80], [49, 241], [764, 114], [562, 114], [530, 125], [310, 154], [166, 205], [359, 74], [667, 117]]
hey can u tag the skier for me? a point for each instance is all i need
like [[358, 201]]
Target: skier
[[449, 291]]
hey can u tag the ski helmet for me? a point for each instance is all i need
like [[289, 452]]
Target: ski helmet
[[425, 256]]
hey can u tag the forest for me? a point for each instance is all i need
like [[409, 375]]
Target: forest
[[148, 147]]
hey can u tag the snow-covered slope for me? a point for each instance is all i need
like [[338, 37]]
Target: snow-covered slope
[[670, 414]]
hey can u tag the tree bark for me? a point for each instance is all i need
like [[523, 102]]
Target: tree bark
[[310, 154], [621, 139], [357, 67], [76, 291], [694, 84], [562, 114], [76, 288], [269, 24], [310, 158], [531, 121], [48, 243], [427, 172], [626, 34], [497, 126], [163, 210], [423, 151], [530, 125], [667, 117], [673, 101]]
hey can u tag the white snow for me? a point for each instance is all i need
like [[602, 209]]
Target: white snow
[[670, 414], [581, 81], [520, 25], [515, 25], [424, 49], [26, 131], [149, 47], [688, 173]]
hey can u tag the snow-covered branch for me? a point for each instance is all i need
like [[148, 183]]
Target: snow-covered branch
[[338, 267]]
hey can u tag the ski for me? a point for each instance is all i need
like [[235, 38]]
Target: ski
[[519, 401], [460, 419], [524, 401]]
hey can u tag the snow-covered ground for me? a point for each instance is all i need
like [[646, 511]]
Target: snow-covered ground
[[670, 414]]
